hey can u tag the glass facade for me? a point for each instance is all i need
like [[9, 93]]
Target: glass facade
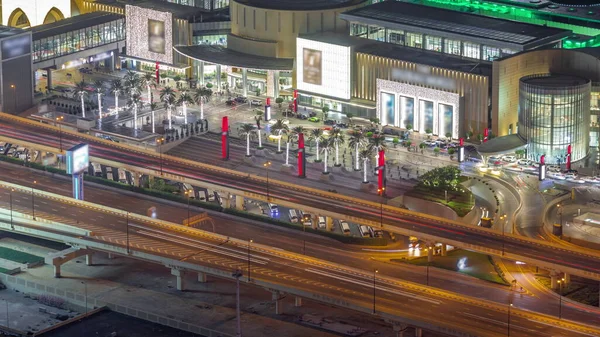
[[429, 42], [78, 40], [554, 112]]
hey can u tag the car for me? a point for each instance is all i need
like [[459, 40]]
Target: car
[[523, 162], [329, 122], [256, 102], [312, 114], [230, 102], [494, 158], [314, 119], [509, 159], [341, 125], [241, 99], [553, 168], [570, 175], [302, 116]]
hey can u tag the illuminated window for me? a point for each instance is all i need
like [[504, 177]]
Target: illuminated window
[[490, 53], [471, 50], [395, 36], [433, 43], [414, 40], [377, 33], [356, 29], [452, 47]]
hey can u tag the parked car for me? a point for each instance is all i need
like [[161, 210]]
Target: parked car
[[241, 99], [329, 122], [509, 159], [256, 102], [230, 102], [314, 119], [302, 116], [342, 125], [523, 162]]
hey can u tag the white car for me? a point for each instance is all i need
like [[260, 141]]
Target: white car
[[571, 175], [557, 175], [523, 162], [509, 159], [494, 158], [273, 121], [256, 102], [553, 168]]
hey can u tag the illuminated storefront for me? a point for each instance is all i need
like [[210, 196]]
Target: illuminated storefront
[[553, 114]]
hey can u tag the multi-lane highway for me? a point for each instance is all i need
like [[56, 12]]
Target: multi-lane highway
[[349, 286], [393, 219]]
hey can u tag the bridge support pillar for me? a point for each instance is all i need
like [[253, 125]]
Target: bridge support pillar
[[444, 251], [226, 199], [399, 329], [297, 301], [278, 302], [49, 78], [201, 277], [430, 249], [88, 259], [315, 221], [180, 274], [57, 270], [553, 280], [567, 278], [329, 223], [418, 332], [239, 202]]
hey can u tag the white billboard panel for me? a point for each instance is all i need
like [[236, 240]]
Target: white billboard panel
[[149, 34]]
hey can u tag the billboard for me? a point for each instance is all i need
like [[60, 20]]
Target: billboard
[[17, 46], [156, 36], [311, 66], [149, 34], [78, 159], [323, 68]]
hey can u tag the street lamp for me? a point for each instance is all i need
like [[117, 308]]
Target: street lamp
[[509, 306], [58, 120], [11, 209], [381, 192], [267, 165], [14, 89], [127, 232], [502, 223], [249, 242], [375, 271], [237, 274], [560, 285], [188, 195], [160, 141], [33, 200]]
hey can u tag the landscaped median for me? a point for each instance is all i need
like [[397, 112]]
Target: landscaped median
[[206, 205]]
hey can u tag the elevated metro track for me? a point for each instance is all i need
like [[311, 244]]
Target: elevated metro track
[[572, 260], [184, 249]]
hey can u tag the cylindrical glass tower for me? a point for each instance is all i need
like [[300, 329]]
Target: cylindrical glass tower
[[554, 112]]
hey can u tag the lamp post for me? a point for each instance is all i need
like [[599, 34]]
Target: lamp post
[[127, 232], [14, 89], [11, 209], [33, 200], [560, 212], [375, 271], [249, 242], [60, 119], [187, 194], [381, 192], [502, 223], [267, 165], [160, 141], [508, 324], [237, 274], [560, 285]]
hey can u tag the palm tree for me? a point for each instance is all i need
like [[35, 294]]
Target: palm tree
[[135, 101], [184, 99], [365, 156], [81, 92], [294, 136], [149, 81], [316, 135], [377, 144], [153, 107], [167, 95], [246, 130], [201, 95], [337, 137], [279, 128], [357, 140], [326, 145], [116, 87], [99, 86]]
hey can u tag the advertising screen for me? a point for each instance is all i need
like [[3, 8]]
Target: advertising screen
[[446, 115], [323, 68], [407, 108], [388, 108], [17, 46], [156, 36], [77, 159], [311, 61], [426, 109], [149, 34]]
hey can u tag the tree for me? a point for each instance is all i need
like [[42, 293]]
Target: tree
[[177, 78], [150, 82], [99, 87], [81, 92], [480, 137], [520, 153], [167, 95], [357, 140], [325, 110], [408, 144], [428, 131], [409, 126], [184, 99], [448, 134], [326, 145], [349, 115], [116, 87], [293, 137], [279, 102], [153, 107], [365, 156], [246, 130], [436, 151], [201, 96], [279, 128], [422, 146], [316, 135], [441, 178], [135, 101], [209, 85], [395, 141], [469, 134], [337, 137], [451, 152]]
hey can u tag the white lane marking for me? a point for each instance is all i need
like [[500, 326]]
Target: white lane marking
[[217, 251], [497, 322], [562, 328], [370, 285], [197, 241]]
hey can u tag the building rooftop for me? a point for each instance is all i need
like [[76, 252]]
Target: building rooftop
[[402, 15], [223, 56], [300, 5], [179, 11], [73, 23], [6, 31], [554, 80], [397, 52]]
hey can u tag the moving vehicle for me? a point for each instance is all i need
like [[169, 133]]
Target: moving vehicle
[[509, 159], [413, 242], [97, 169], [122, 176], [329, 122], [273, 208], [314, 119], [377, 233], [322, 222], [109, 173], [486, 222], [293, 216], [241, 99], [364, 231], [3, 146], [307, 220], [345, 227], [256, 102]]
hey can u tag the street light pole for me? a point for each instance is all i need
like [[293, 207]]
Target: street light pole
[[381, 192], [509, 306], [59, 119], [249, 242], [187, 193], [127, 232], [237, 274], [160, 142], [33, 200], [375, 271], [11, 209], [14, 88], [267, 165], [560, 285]]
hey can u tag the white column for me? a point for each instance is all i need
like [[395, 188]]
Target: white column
[[88, 259], [245, 82], [218, 77], [180, 274], [201, 277]]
